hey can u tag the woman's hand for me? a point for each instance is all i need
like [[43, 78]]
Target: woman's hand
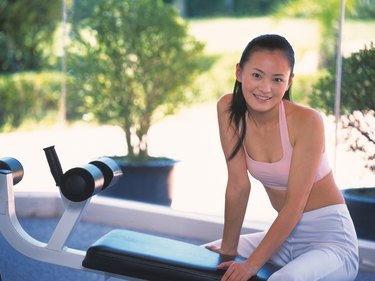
[[223, 253], [237, 271], [214, 249], [225, 256]]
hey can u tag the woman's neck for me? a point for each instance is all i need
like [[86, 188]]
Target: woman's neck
[[267, 119]]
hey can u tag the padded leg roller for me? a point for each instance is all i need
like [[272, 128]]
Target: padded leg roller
[[13, 165], [156, 258]]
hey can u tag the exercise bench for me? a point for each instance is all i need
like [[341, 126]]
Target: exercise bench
[[121, 253]]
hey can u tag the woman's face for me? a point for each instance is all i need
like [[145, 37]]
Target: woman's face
[[265, 78]]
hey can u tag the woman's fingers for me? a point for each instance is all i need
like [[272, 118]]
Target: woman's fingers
[[213, 249], [236, 271], [225, 265]]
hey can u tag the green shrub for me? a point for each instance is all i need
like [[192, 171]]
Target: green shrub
[[358, 84], [27, 95], [26, 29], [357, 100], [133, 62], [210, 8]]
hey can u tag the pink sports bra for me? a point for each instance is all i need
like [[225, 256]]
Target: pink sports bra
[[275, 175]]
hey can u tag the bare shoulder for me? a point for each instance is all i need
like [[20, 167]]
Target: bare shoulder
[[303, 120], [224, 102], [302, 115]]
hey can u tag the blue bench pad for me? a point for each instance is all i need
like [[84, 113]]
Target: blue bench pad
[[156, 258]]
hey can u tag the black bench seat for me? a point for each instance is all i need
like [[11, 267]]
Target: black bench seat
[[155, 258]]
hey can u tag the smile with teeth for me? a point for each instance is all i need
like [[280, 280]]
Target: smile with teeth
[[263, 98]]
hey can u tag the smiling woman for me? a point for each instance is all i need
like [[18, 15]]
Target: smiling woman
[[282, 145], [268, 77]]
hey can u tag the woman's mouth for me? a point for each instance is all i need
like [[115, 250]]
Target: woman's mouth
[[261, 98]]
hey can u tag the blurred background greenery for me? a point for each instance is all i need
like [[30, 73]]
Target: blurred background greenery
[[34, 40]]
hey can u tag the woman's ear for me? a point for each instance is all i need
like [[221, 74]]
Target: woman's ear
[[238, 73], [290, 82]]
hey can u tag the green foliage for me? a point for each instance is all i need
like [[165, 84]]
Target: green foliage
[[132, 61], [359, 9], [357, 100], [365, 9], [357, 91], [27, 95], [327, 13], [209, 8], [302, 88], [25, 33]]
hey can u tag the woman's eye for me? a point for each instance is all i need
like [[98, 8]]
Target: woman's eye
[[278, 80], [256, 75]]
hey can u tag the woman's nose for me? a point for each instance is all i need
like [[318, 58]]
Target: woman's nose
[[265, 86]]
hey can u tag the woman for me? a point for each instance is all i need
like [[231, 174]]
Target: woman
[[281, 144]]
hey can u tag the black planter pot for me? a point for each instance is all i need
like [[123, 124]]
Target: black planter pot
[[361, 205], [149, 182]]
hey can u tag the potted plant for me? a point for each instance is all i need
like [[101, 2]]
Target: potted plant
[[361, 205], [358, 102], [133, 62]]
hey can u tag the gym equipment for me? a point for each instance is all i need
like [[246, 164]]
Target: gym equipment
[[121, 253]]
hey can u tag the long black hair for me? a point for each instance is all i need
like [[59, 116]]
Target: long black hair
[[238, 106]]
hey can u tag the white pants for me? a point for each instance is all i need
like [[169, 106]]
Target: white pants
[[323, 246]]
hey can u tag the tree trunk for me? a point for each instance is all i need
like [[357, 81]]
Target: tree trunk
[[128, 141]]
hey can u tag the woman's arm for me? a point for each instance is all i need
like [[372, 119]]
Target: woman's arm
[[307, 133], [238, 185], [308, 146]]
